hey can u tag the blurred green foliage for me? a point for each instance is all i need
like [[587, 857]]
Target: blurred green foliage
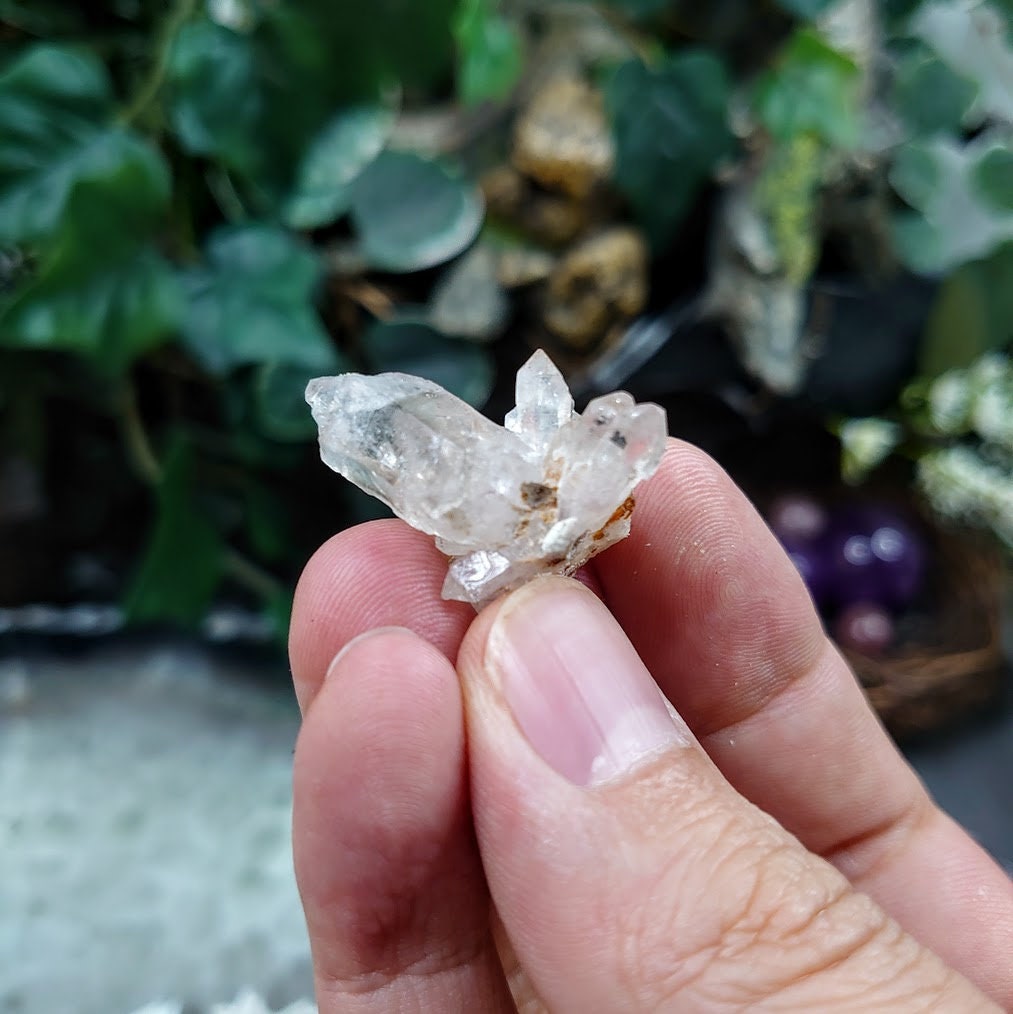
[[181, 189]]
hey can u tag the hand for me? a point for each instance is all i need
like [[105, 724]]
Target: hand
[[540, 830]]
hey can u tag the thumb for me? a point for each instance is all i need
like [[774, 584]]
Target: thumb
[[628, 874]]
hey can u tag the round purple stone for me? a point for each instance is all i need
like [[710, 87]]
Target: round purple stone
[[876, 556]]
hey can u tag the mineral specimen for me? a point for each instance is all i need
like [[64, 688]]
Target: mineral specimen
[[541, 494]]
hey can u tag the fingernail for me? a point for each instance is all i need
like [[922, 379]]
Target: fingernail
[[577, 688], [366, 635]]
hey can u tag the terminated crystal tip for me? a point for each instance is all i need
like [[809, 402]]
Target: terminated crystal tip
[[542, 494]]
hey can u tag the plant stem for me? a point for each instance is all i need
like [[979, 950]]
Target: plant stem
[[223, 190], [246, 572], [152, 84], [139, 449]]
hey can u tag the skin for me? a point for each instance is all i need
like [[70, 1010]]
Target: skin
[[778, 854]]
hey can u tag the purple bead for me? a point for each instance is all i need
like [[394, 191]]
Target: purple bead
[[864, 627], [797, 516], [876, 556]]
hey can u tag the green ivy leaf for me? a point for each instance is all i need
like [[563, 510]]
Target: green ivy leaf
[[256, 101], [977, 42], [252, 302], [996, 274], [895, 13], [43, 19], [352, 49], [640, 9], [342, 150], [813, 88], [917, 174], [808, 10], [216, 103], [101, 290], [670, 130], [184, 559], [279, 398], [412, 214], [410, 346], [929, 95], [260, 101], [111, 312], [954, 221], [972, 315], [490, 56], [993, 178], [55, 106]]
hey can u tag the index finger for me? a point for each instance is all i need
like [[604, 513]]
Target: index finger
[[378, 574]]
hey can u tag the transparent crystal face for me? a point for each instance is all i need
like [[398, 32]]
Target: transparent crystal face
[[541, 494]]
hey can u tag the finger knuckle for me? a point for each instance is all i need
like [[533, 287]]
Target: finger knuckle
[[744, 922]]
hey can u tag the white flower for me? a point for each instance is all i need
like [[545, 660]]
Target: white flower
[[992, 412], [866, 443], [962, 485], [235, 14], [950, 402]]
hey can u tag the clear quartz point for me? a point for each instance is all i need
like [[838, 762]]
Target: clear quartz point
[[541, 494]]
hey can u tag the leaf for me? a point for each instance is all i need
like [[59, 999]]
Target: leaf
[[670, 129], [813, 88], [279, 398], [808, 10], [957, 328], [183, 563], [895, 13], [409, 346], [252, 302], [260, 100], [993, 178], [43, 19], [917, 174], [639, 9], [468, 300], [996, 274], [55, 104], [102, 290], [352, 49], [931, 96], [257, 101], [955, 222], [490, 57], [112, 313], [242, 99], [342, 150], [412, 214], [972, 315], [973, 39], [215, 96]]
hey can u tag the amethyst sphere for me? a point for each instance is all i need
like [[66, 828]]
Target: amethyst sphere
[[876, 557], [864, 627]]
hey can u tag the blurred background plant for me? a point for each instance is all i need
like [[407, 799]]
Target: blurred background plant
[[790, 222]]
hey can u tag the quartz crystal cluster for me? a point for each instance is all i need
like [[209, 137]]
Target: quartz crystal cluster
[[541, 494]]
